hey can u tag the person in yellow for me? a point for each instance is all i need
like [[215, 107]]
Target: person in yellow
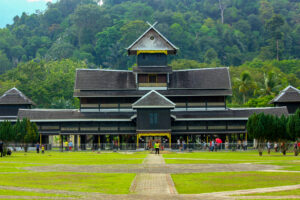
[[66, 145], [43, 149], [156, 147]]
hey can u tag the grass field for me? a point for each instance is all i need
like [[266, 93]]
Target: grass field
[[13, 174], [288, 162], [226, 181]]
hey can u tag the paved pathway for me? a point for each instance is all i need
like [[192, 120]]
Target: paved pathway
[[153, 183]]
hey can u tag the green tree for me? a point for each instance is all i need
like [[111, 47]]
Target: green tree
[[245, 84], [293, 128], [273, 26], [256, 129]]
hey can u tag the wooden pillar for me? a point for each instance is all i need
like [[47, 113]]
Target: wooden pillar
[[40, 139], [79, 142], [187, 139], [75, 142], [99, 142], [137, 140], [61, 143]]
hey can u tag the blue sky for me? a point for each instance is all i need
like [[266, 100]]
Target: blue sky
[[11, 8]]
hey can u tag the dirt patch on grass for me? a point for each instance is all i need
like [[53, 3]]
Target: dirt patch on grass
[[154, 168]]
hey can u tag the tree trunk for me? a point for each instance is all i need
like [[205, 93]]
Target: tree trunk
[[222, 8], [244, 98], [260, 147], [277, 50]]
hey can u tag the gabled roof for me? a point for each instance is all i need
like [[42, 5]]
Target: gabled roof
[[15, 97], [153, 40], [100, 79], [205, 78], [153, 99], [289, 94]]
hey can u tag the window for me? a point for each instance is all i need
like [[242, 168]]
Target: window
[[153, 119], [152, 78]]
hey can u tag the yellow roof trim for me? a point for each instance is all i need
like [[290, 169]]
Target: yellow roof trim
[[152, 51]]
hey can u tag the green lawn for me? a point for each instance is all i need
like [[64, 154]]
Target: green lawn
[[27, 193], [81, 182], [288, 162], [11, 169], [74, 158], [226, 181]]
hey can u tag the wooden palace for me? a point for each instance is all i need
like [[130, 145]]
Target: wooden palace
[[152, 101]]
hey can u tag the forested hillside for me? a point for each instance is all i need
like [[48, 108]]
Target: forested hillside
[[260, 39]]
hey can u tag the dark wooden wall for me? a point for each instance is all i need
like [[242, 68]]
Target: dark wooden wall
[[163, 121]]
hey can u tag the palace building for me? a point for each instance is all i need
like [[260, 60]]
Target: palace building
[[129, 108]]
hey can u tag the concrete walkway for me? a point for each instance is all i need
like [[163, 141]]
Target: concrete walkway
[[153, 183]]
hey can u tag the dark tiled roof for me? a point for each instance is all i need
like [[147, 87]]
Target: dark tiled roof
[[204, 82], [230, 113], [60, 114], [104, 80], [153, 69], [153, 99], [210, 78], [15, 97], [289, 94], [140, 93]]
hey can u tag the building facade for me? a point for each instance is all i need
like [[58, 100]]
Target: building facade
[[150, 102]]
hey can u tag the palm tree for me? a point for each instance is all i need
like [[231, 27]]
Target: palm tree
[[245, 84], [271, 84]]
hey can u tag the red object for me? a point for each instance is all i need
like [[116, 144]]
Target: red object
[[299, 144], [218, 140]]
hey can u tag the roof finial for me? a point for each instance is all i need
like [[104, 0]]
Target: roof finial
[[151, 25]]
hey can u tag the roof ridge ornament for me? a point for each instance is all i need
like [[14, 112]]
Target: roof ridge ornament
[[152, 25]]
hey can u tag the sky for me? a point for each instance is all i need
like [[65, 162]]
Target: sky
[[10, 8]]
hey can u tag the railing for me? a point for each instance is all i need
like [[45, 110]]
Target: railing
[[152, 84], [146, 146]]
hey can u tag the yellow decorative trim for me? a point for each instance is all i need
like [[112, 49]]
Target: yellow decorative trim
[[152, 51], [139, 135]]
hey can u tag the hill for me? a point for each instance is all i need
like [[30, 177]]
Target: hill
[[260, 39]]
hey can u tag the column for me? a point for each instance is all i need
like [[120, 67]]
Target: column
[[61, 143], [75, 142]]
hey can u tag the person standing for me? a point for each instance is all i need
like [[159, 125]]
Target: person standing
[[70, 145], [43, 149], [212, 145], [67, 145], [37, 147], [269, 147], [245, 145], [276, 147], [1, 148], [156, 147], [178, 143]]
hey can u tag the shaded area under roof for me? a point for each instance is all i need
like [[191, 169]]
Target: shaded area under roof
[[153, 99], [152, 69], [15, 97], [72, 115], [230, 113], [140, 93], [289, 94]]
